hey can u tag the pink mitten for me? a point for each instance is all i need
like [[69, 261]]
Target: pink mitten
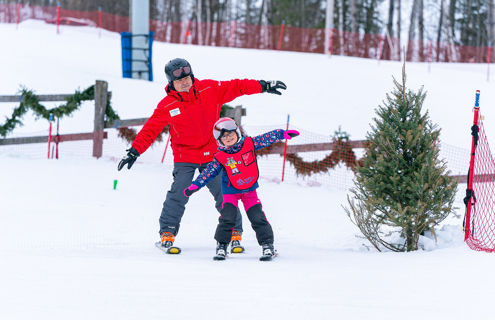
[[289, 134], [190, 190]]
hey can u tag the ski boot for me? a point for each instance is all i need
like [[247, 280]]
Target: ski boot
[[268, 252], [235, 242], [221, 253], [167, 243]]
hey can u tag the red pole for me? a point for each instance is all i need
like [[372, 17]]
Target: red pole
[[18, 15], [50, 134], [430, 50], [330, 42], [285, 149], [166, 146], [57, 139], [467, 225], [58, 17], [380, 45], [280, 37], [99, 21], [187, 31], [232, 32], [488, 64]]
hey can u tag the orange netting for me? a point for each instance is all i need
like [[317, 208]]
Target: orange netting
[[271, 37], [480, 219]]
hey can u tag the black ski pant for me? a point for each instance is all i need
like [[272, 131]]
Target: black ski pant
[[263, 229], [175, 202]]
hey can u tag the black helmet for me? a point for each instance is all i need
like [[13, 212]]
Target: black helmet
[[176, 69]]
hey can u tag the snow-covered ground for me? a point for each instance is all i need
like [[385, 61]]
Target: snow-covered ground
[[73, 248]]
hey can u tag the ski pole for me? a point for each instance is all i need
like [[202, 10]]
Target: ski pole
[[281, 35], [166, 146], [285, 149], [58, 17], [50, 134], [99, 22], [469, 190], [57, 138]]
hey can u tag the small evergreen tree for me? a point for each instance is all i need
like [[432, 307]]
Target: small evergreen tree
[[402, 188]]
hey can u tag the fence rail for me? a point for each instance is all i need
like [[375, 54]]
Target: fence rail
[[312, 147], [55, 138], [100, 98], [41, 97]]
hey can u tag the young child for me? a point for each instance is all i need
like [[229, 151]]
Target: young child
[[236, 159]]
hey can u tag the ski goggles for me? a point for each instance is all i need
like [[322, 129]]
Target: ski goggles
[[182, 71], [223, 127]]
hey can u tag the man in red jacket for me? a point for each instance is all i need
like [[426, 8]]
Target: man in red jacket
[[190, 108]]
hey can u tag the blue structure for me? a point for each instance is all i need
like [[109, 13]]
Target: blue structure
[[142, 63]]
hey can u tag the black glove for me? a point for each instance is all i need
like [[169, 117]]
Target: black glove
[[129, 159], [272, 86]]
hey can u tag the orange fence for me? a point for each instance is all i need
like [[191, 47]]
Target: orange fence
[[269, 37]]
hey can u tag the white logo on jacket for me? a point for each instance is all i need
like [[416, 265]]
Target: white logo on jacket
[[174, 112]]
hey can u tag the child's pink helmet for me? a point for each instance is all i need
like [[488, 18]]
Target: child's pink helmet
[[225, 125]]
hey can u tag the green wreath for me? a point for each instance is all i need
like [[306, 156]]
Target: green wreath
[[29, 101]]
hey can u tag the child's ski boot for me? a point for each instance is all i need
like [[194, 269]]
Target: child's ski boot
[[268, 252], [221, 253], [167, 243], [235, 242]]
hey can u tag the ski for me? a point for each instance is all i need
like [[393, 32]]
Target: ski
[[237, 249], [169, 250], [219, 257], [268, 257], [220, 252]]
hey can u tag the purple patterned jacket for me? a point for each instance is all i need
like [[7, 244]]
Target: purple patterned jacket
[[214, 168]]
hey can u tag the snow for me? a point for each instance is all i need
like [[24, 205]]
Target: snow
[[74, 248]]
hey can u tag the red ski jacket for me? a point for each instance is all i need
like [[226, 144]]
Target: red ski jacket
[[191, 116]]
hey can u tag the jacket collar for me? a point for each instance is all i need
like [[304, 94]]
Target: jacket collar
[[233, 149], [183, 96]]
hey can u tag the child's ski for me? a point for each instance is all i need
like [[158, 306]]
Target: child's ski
[[169, 250], [237, 249], [219, 257], [269, 257]]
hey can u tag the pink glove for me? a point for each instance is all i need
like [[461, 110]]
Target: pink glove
[[190, 190], [289, 134]]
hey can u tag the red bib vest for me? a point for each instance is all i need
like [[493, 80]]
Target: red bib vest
[[241, 167]]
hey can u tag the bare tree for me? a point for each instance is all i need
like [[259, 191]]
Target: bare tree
[[421, 29], [412, 28], [451, 52], [328, 25], [199, 14], [399, 30], [390, 27], [353, 16], [491, 23], [440, 26]]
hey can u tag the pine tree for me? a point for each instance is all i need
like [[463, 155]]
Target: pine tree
[[402, 188]]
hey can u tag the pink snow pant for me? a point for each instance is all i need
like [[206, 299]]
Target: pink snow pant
[[248, 199], [254, 211]]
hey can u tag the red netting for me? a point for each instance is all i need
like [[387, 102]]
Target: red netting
[[271, 37], [481, 233]]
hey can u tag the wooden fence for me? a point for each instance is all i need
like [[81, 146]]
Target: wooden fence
[[98, 134], [101, 96]]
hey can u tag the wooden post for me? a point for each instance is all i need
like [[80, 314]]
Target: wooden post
[[238, 113], [101, 96]]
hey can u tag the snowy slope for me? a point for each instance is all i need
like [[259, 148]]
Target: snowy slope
[[72, 247]]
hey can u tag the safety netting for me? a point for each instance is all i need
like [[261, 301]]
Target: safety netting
[[237, 34], [480, 197]]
